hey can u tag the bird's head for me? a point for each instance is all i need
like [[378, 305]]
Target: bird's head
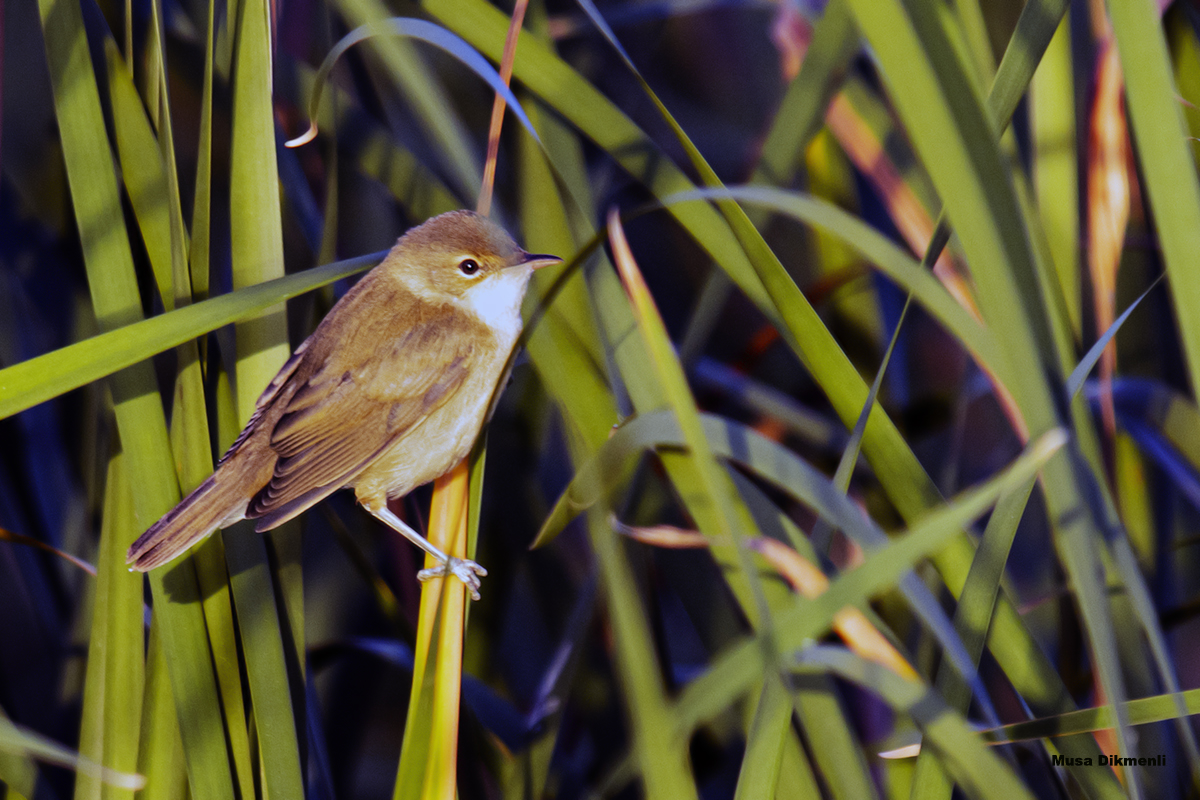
[[465, 258]]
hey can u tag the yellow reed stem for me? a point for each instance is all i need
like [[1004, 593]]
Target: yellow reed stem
[[428, 756], [442, 618], [447, 530]]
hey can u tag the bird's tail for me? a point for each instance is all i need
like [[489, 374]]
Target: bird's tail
[[210, 506]]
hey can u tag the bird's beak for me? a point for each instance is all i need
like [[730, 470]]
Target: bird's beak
[[537, 261]]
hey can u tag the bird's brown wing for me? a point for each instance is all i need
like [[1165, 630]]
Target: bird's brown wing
[[339, 420], [267, 399]]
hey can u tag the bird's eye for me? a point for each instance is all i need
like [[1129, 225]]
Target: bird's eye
[[468, 266]]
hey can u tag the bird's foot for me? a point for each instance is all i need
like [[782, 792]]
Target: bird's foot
[[464, 569]]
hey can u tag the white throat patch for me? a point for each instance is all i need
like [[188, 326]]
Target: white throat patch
[[496, 300]]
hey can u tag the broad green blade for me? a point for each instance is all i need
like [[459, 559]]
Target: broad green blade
[[161, 759], [764, 744], [1166, 155], [198, 253], [34, 381], [143, 171], [562, 340], [139, 413], [1055, 175], [112, 697], [256, 249]]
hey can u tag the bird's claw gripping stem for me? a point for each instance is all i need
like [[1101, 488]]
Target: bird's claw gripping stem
[[464, 569]]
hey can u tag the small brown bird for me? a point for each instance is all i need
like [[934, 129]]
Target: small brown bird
[[388, 393]]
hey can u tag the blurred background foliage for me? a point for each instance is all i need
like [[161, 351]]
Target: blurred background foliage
[[750, 588]]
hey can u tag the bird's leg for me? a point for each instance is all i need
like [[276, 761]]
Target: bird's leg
[[464, 569]]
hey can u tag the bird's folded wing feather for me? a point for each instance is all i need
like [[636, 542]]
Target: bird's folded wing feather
[[337, 422]]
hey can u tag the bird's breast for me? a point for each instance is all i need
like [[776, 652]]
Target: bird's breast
[[435, 444]]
